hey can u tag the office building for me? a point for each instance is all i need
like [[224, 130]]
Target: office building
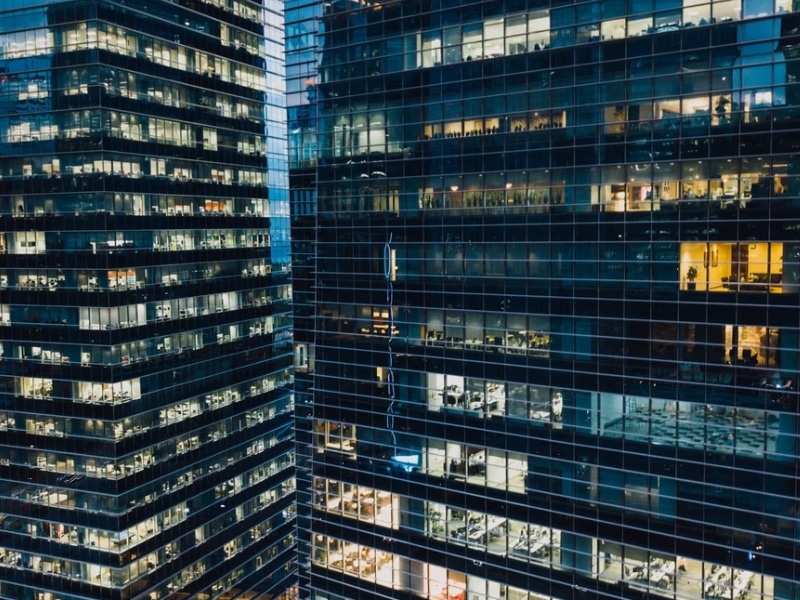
[[146, 446], [556, 285], [302, 58]]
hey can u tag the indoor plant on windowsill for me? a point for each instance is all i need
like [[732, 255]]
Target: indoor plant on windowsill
[[691, 275]]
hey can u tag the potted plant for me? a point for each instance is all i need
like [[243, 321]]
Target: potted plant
[[691, 275], [435, 521]]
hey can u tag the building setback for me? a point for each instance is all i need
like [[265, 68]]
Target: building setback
[[554, 255], [146, 446]]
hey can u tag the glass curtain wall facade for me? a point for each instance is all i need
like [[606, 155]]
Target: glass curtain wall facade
[[556, 284], [302, 64], [146, 403]]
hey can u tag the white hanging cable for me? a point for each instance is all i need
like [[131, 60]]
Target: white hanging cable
[[387, 273]]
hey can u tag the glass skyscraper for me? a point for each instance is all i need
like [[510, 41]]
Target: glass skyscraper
[[302, 60], [146, 404], [554, 255]]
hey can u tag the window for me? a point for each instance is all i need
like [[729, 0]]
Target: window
[[336, 436], [28, 242], [732, 266], [112, 318]]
